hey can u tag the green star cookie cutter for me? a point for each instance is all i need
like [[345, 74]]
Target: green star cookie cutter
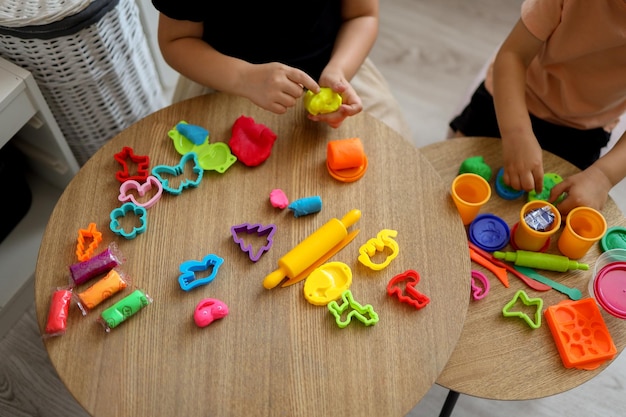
[[523, 297], [365, 314]]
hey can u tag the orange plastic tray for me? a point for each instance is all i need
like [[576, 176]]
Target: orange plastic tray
[[580, 333]]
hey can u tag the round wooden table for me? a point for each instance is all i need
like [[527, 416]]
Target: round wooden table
[[275, 354], [503, 358]]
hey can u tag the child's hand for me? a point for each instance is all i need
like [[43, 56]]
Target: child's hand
[[588, 188], [276, 87], [523, 163], [350, 102]]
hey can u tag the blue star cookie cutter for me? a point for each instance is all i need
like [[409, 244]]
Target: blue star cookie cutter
[[178, 171], [240, 230], [365, 314], [188, 280], [125, 210]]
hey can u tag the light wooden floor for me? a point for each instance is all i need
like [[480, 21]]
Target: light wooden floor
[[430, 51]]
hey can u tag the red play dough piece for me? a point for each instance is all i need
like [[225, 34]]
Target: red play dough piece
[[251, 142]]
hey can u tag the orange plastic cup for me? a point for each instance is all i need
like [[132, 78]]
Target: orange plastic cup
[[584, 226], [527, 238], [469, 193]]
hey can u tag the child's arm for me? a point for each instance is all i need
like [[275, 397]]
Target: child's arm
[[273, 86], [523, 163], [591, 187], [352, 46]]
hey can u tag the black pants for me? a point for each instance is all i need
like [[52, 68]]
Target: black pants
[[580, 147]]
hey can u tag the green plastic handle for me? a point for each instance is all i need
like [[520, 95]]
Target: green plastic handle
[[572, 293]]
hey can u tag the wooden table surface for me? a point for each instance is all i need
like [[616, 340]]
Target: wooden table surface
[[503, 358], [275, 354]]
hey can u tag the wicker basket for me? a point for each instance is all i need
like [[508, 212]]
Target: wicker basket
[[97, 81]]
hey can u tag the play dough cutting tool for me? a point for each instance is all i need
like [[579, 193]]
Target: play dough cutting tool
[[313, 251]]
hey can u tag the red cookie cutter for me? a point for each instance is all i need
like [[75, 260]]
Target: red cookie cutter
[[412, 297], [141, 161]]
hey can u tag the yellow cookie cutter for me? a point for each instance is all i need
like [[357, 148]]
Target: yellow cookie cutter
[[378, 244]]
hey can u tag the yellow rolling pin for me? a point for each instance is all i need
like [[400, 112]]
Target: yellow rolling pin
[[327, 239]]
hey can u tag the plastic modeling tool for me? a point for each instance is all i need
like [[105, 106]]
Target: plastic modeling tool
[[363, 313], [332, 236], [127, 187], [547, 261], [241, 230], [378, 244], [90, 236], [178, 171], [302, 275], [128, 209], [188, 279], [142, 161], [327, 282], [411, 296], [580, 333], [572, 293], [479, 291], [498, 271], [523, 297], [535, 285]]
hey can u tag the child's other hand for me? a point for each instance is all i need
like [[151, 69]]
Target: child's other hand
[[589, 188], [276, 87], [523, 163], [350, 102]]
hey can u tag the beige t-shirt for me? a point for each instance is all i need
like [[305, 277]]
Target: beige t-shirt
[[578, 78]]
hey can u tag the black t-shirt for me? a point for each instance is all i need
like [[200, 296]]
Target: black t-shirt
[[294, 32]]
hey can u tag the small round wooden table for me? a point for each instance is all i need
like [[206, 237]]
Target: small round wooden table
[[501, 357], [275, 354]]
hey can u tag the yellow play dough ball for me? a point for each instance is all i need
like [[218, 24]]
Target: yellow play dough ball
[[326, 101]]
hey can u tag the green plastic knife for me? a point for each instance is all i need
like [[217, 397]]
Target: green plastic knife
[[572, 293]]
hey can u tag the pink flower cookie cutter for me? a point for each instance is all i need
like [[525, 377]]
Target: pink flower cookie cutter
[[240, 231], [479, 291], [91, 235], [411, 296], [141, 161], [208, 310], [142, 189]]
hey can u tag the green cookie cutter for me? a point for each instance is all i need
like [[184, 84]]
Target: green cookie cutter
[[523, 297], [365, 314], [211, 156]]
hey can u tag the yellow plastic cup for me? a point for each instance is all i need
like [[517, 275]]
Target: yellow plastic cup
[[527, 238], [470, 192], [584, 226]]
